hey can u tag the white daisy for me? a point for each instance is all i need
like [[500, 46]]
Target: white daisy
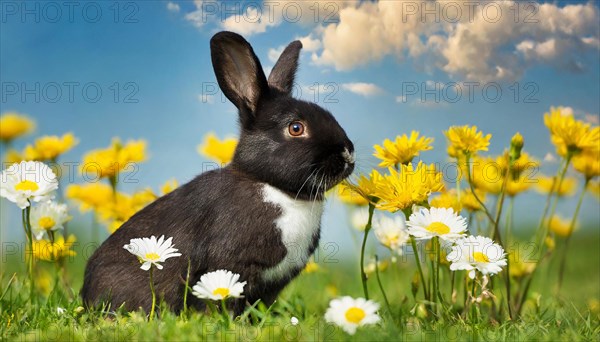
[[28, 181], [477, 253], [349, 313], [359, 218], [442, 222], [391, 232], [48, 216], [151, 251], [218, 285]]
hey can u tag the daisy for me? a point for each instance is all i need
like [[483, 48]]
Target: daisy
[[151, 251], [219, 285], [442, 222], [28, 181], [477, 253], [48, 216], [349, 313], [391, 232]]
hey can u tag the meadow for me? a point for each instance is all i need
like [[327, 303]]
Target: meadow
[[474, 276]]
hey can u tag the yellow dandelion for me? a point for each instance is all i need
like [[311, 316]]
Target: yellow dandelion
[[13, 156], [123, 207], [515, 186], [108, 162], [54, 251], [546, 184], [466, 140], [366, 189], [524, 164], [44, 281], [402, 150], [382, 266], [520, 267], [311, 267], [90, 196], [169, 186], [347, 195], [447, 199], [486, 174], [410, 185], [588, 164], [469, 202], [50, 147], [560, 226], [221, 151], [570, 135], [14, 125]]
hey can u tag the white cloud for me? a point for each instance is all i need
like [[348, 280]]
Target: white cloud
[[484, 47], [173, 7], [250, 22], [275, 53], [363, 89], [401, 99], [310, 44]]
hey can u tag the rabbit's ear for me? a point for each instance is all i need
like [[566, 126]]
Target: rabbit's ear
[[238, 70], [283, 73]]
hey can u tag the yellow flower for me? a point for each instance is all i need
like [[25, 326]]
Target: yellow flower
[[53, 251], [588, 164], [465, 140], [550, 243], [90, 196], [14, 125], [117, 212], [401, 189], [525, 163], [469, 202], [402, 150], [363, 192], [13, 156], [570, 135], [44, 281], [486, 174], [311, 267], [169, 186], [218, 150], [515, 186], [117, 157], [519, 267], [49, 147], [448, 199], [559, 226], [567, 188]]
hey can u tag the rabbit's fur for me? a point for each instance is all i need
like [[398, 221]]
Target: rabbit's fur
[[259, 216]]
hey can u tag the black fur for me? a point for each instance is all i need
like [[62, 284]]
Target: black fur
[[219, 220]]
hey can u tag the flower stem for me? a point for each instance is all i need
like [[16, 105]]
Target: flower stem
[[418, 261], [225, 313], [153, 294], [472, 187], [363, 275], [29, 254], [187, 285], [385, 299], [563, 261]]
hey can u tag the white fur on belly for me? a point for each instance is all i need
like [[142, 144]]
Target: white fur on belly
[[298, 223]]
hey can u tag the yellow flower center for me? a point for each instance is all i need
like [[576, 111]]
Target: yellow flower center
[[152, 256], [221, 291], [27, 185], [355, 315], [438, 228], [480, 257], [46, 222]]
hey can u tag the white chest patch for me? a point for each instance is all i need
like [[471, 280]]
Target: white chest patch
[[298, 223]]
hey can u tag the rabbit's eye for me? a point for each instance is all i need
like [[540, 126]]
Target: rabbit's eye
[[296, 129]]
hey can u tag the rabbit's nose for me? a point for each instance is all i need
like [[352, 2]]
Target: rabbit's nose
[[348, 157]]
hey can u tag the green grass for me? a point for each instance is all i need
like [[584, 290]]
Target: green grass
[[547, 316]]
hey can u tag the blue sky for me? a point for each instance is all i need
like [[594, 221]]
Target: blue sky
[[157, 52]]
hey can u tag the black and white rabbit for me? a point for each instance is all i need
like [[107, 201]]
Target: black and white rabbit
[[259, 216]]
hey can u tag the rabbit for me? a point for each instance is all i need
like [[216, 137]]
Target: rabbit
[[259, 216]]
